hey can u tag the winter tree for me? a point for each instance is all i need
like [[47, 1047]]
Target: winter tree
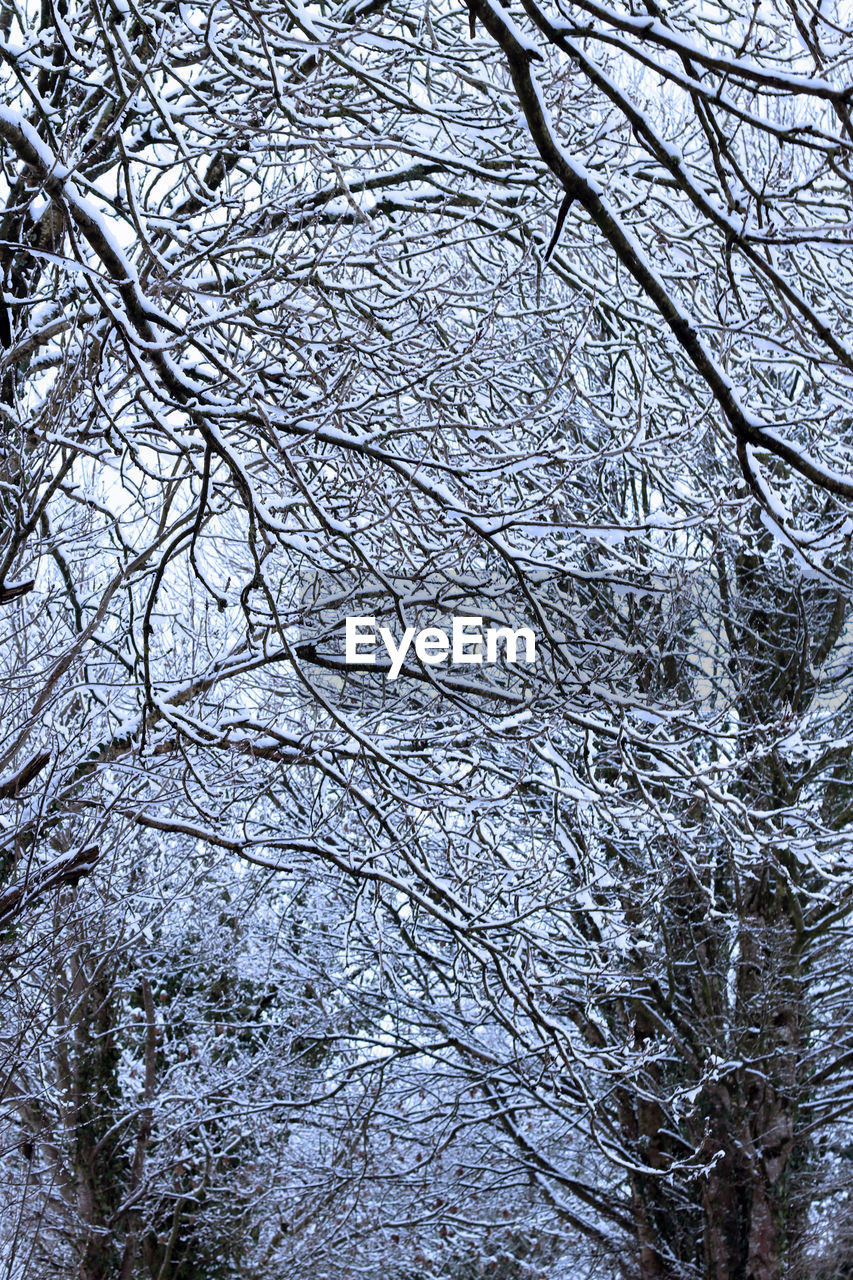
[[538, 317]]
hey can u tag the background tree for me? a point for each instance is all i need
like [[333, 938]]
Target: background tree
[[298, 323]]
